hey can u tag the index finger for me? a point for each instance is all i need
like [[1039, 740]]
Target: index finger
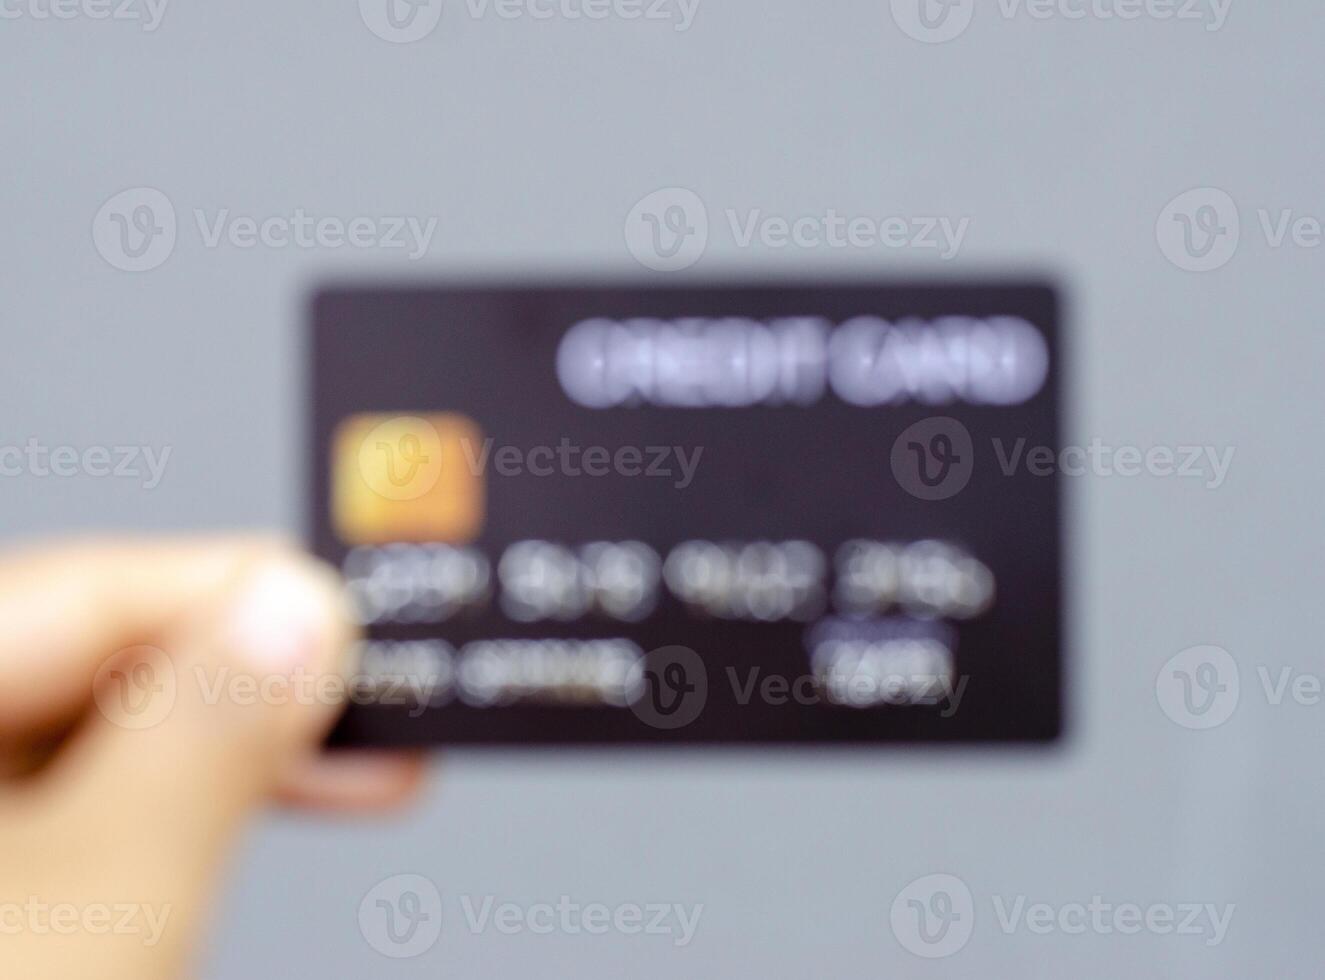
[[65, 610]]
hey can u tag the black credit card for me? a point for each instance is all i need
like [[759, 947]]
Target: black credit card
[[693, 514]]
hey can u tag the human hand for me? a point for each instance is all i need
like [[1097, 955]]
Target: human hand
[[148, 705]]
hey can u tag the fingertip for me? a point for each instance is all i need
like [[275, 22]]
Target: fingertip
[[289, 614], [354, 781]]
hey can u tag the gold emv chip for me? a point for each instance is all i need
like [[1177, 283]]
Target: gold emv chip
[[407, 478]]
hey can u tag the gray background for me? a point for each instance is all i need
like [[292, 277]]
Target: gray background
[[530, 141]]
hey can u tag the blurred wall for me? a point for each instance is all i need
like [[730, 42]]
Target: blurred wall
[[1063, 141]]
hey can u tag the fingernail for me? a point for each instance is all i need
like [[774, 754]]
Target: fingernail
[[282, 619]]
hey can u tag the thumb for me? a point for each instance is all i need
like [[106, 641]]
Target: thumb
[[192, 732]]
